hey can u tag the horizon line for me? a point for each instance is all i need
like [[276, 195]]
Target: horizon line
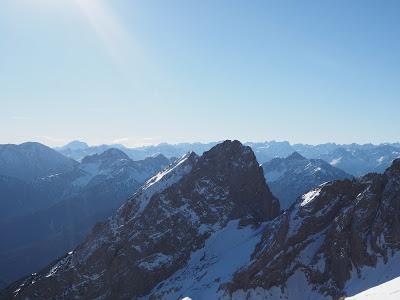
[[202, 143]]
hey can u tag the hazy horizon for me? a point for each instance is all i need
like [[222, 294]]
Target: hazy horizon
[[194, 142]]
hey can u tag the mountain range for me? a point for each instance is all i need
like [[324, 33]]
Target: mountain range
[[354, 159], [208, 227], [44, 217], [29, 161], [212, 226], [77, 150]]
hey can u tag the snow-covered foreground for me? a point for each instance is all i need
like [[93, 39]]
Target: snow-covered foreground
[[389, 290], [225, 252], [380, 282], [296, 288]]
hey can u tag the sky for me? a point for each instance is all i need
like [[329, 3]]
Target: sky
[[145, 72]]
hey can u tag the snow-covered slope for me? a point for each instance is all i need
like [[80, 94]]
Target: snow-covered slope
[[224, 253]]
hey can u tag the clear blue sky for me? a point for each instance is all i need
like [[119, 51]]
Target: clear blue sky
[[143, 72]]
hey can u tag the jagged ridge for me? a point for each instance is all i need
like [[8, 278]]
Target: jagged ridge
[[333, 231]]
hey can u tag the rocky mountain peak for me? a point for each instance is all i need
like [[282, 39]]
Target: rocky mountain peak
[[228, 147], [114, 153], [227, 156], [158, 158], [394, 169], [295, 156], [75, 145], [234, 166], [108, 156]]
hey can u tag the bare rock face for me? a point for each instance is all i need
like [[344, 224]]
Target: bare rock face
[[154, 233], [331, 231]]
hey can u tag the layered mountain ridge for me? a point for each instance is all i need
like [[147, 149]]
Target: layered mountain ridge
[[354, 159], [154, 234], [52, 214], [30, 161]]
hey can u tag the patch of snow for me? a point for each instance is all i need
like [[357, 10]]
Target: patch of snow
[[310, 196], [225, 252], [53, 175], [60, 264], [52, 271], [155, 261], [379, 282], [163, 180], [381, 159], [389, 290], [335, 161], [164, 173], [318, 169], [17, 291]]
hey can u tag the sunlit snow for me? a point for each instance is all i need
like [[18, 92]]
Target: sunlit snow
[[307, 198]]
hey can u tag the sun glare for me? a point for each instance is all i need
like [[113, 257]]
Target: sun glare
[[107, 27]]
